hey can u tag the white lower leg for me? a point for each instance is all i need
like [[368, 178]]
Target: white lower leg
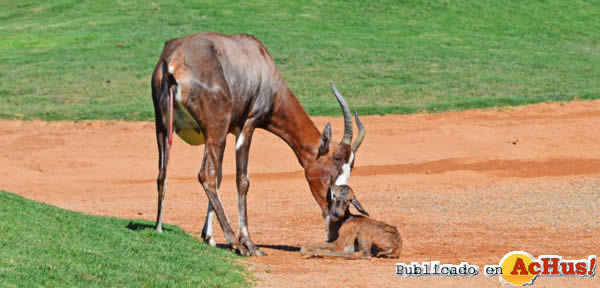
[[207, 230], [243, 230], [159, 221], [161, 202]]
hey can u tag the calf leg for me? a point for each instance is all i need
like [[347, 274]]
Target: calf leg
[[329, 249], [392, 251], [317, 249], [390, 246]]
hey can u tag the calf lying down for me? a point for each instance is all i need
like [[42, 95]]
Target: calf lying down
[[353, 236]]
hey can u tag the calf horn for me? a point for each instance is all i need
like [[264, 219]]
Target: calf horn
[[347, 116]]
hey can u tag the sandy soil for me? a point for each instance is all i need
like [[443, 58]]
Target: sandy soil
[[468, 186]]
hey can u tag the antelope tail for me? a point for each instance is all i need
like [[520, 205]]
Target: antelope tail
[[166, 91]]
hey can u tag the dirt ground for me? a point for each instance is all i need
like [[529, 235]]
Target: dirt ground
[[461, 186]]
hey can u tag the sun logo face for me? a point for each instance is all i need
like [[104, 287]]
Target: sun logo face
[[519, 269]]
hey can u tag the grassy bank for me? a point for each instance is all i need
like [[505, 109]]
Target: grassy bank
[[92, 59], [43, 245]]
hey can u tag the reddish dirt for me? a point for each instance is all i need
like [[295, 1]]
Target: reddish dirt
[[461, 186]]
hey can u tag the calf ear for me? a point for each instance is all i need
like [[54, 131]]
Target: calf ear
[[359, 207], [325, 139]]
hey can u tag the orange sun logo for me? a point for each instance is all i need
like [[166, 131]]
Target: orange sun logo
[[519, 268]]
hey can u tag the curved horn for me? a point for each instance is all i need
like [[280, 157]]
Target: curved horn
[[347, 116], [361, 133]]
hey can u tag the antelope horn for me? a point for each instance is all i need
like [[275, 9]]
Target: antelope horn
[[347, 116], [361, 133]]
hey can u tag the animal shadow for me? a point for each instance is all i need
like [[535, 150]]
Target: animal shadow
[[142, 226], [281, 247], [275, 247]]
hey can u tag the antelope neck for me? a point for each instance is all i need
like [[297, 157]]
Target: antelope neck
[[291, 123]]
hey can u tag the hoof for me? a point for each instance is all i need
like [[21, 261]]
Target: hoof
[[241, 249], [306, 256], [210, 241], [254, 251], [258, 252]]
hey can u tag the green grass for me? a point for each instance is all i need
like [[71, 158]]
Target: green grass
[[65, 59], [41, 245]]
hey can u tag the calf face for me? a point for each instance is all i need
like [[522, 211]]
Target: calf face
[[339, 202]]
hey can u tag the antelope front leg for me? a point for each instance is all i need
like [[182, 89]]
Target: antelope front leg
[[242, 148], [213, 156]]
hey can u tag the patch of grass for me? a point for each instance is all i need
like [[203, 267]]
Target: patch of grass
[[73, 60], [42, 245]]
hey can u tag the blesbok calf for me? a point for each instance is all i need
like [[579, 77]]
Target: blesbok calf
[[353, 236], [208, 85]]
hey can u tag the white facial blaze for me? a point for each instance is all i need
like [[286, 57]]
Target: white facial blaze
[[343, 178]]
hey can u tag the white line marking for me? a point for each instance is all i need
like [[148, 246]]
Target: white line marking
[[214, 89]]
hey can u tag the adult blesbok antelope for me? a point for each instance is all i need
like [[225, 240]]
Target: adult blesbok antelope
[[208, 85]]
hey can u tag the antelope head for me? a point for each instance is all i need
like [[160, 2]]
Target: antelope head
[[334, 162]]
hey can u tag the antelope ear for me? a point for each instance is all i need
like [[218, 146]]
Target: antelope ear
[[325, 139], [359, 207]]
